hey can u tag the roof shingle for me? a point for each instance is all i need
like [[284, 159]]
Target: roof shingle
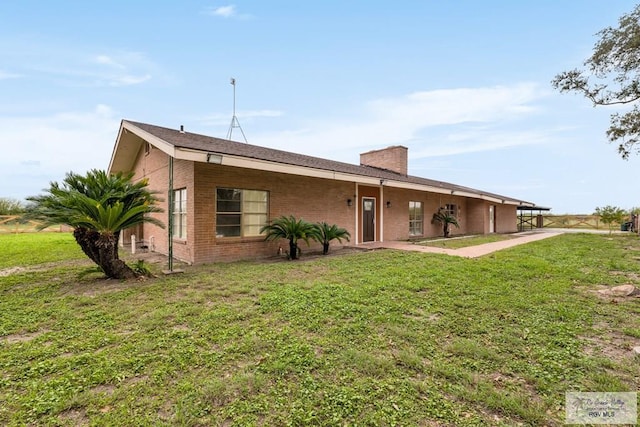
[[210, 144]]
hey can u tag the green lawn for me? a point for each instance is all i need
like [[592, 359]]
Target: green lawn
[[463, 242], [372, 338]]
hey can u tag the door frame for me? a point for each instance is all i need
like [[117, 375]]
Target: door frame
[[492, 219], [362, 219]]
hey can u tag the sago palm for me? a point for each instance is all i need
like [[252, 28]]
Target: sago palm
[[291, 229], [325, 233], [98, 207], [445, 219]]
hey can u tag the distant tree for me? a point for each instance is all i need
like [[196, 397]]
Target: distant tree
[[98, 207], [611, 215], [615, 67], [11, 206]]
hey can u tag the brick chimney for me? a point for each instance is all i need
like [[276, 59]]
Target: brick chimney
[[391, 158]]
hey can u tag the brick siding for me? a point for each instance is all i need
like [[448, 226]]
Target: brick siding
[[312, 199]]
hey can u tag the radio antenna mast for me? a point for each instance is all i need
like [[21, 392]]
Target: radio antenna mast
[[234, 120]]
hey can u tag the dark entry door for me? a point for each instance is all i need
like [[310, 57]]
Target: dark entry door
[[368, 219]]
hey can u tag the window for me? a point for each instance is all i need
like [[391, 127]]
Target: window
[[451, 210], [415, 219], [180, 214], [240, 213]]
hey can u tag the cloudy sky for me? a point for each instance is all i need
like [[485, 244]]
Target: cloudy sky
[[465, 85]]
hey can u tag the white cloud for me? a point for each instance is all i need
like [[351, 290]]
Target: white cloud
[[228, 11], [123, 68], [414, 119], [107, 60], [127, 80], [120, 68], [45, 148], [473, 142], [450, 106], [224, 11]]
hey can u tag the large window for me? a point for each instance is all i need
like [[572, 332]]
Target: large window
[[415, 219], [240, 213], [180, 213]]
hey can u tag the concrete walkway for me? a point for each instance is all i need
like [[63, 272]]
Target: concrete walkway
[[469, 251]]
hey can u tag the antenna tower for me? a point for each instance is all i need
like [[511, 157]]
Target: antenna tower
[[234, 120]]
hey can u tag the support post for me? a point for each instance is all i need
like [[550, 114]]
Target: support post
[[170, 214]]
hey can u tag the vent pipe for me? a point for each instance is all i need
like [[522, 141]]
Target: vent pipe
[[181, 128]]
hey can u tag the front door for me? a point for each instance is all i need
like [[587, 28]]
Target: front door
[[492, 219], [368, 219]]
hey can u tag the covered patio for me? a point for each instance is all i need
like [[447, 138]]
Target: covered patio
[[530, 217]]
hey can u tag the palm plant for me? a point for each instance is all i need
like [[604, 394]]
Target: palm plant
[[291, 229], [325, 233], [98, 207], [445, 218]]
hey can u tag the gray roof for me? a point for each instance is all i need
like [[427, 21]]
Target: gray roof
[[222, 146]]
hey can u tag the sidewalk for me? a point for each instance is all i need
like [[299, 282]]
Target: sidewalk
[[470, 251]]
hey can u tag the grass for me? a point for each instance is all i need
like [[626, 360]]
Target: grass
[[419, 339], [463, 242], [27, 249]]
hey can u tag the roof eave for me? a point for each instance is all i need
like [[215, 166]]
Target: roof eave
[[225, 159]]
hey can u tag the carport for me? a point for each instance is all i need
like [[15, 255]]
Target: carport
[[530, 217]]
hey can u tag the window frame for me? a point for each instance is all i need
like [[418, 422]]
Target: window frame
[[244, 223], [416, 220], [180, 210]]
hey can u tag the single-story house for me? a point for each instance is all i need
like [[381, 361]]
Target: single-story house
[[223, 192]]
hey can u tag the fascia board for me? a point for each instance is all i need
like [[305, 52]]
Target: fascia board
[[268, 166], [159, 143], [418, 187], [115, 149]]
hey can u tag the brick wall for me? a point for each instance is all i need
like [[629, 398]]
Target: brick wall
[[396, 216], [311, 199], [506, 219], [390, 158], [154, 166], [477, 216]]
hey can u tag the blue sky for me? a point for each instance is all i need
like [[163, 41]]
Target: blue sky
[[465, 85]]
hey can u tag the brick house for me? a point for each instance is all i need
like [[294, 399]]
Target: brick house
[[223, 192]]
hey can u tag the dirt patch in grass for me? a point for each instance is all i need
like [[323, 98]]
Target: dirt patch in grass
[[10, 271], [107, 389], [98, 287], [628, 274], [23, 337], [74, 416], [610, 343]]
